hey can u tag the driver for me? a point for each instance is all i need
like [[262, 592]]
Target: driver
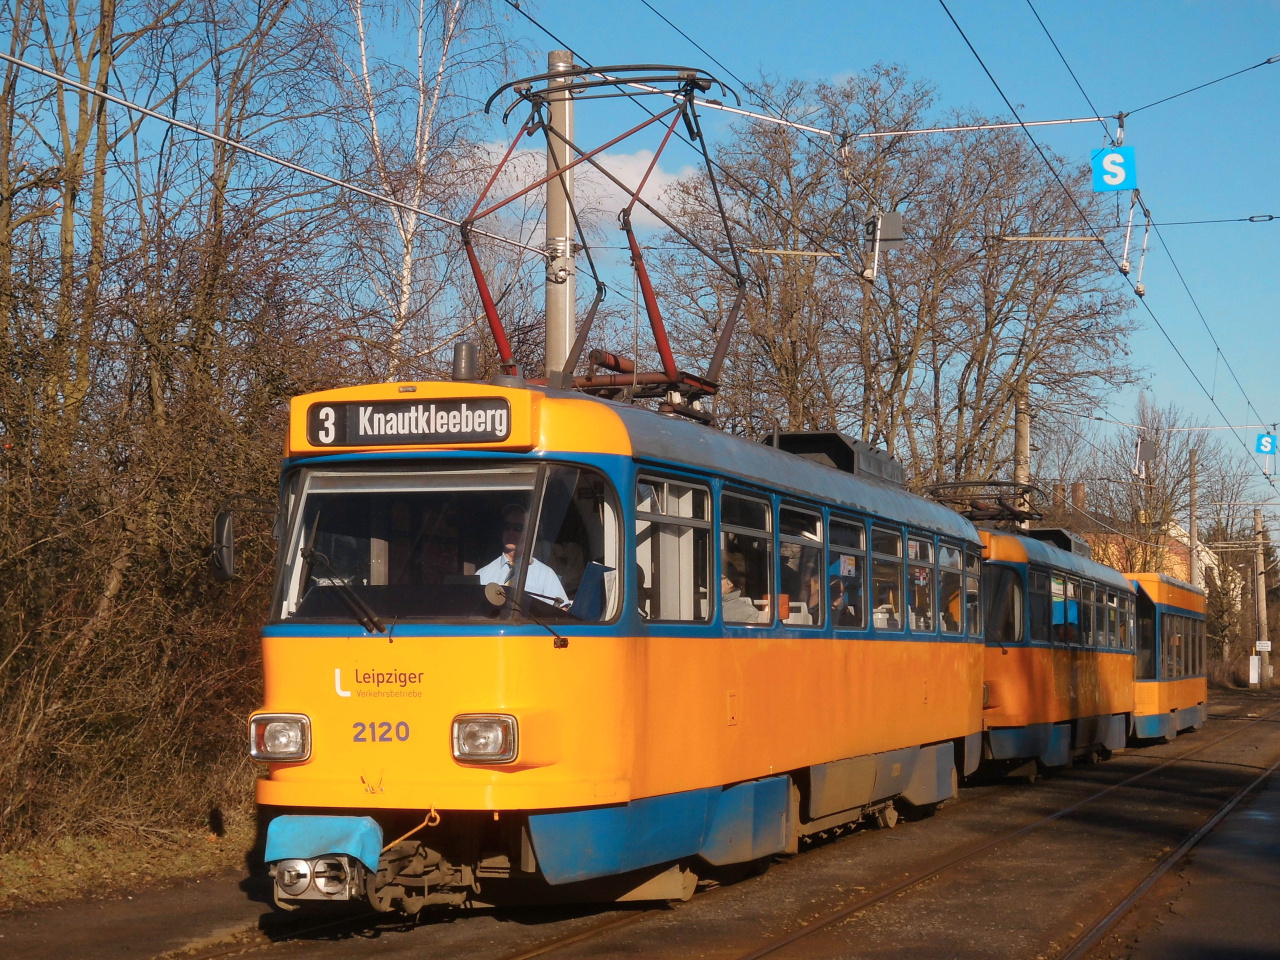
[[541, 581]]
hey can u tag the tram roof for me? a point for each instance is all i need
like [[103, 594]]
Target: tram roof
[[1038, 551], [678, 441], [1171, 591]]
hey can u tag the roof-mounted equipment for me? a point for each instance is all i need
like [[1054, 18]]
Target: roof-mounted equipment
[[833, 449]]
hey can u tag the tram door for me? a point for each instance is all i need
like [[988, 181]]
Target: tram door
[[1145, 668]]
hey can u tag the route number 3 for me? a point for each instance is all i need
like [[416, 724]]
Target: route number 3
[[328, 420]]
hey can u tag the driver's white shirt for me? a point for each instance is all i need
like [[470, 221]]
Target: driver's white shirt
[[540, 581]]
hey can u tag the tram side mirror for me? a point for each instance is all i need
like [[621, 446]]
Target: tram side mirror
[[224, 546]]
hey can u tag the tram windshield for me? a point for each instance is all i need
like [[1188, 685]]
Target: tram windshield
[[428, 543]]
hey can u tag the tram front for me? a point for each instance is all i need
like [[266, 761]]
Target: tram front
[[445, 548]]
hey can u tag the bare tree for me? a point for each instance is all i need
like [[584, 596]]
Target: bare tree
[[926, 360], [407, 130], [162, 296]]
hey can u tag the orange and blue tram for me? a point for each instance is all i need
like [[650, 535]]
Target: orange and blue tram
[[529, 644], [1170, 689], [1058, 679]]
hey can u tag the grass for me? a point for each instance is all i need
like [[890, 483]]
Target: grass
[[95, 866]]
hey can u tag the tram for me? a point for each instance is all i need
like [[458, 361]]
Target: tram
[[528, 644], [1171, 688], [1058, 679]]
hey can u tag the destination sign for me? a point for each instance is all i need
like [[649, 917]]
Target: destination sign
[[411, 423]]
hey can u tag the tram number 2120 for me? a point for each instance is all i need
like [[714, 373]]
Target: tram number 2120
[[379, 731]]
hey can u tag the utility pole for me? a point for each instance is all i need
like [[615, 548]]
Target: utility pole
[[1193, 532], [1260, 595], [561, 289], [1022, 446]]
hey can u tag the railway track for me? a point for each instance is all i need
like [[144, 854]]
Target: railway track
[[942, 864]]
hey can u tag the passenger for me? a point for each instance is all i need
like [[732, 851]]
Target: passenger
[[541, 581], [838, 604], [736, 607], [811, 589]]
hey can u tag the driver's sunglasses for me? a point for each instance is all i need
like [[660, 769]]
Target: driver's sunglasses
[[516, 527]]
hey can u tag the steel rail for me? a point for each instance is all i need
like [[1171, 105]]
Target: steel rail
[[1088, 940], [973, 850], [569, 938], [879, 896], [356, 921], [226, 950]]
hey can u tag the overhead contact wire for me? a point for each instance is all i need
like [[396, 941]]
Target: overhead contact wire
[[1085, 219], [1084, 93], [514, 4], [1169, 253], [253, 151], [1062, 57], [1175, 96]]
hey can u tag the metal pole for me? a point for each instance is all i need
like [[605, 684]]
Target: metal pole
[[561, 289], [1022, 446], [1193, 532], [1260, 591]]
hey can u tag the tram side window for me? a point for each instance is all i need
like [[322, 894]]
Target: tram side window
[[846, 574], [1086, 613], [1066, 617], [746, 559], [1172, 650], [1041, 606], [1166, 646], [1002, 599], [1100, 616], [920, 583], [800, 553], [673, 550], [973, 591], [1113, 621], [1200, 632], [951, 588], [886, 579]]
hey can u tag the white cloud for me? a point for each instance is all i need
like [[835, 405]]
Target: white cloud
[[598, 199]]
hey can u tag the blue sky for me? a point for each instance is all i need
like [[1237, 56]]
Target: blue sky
[[1209, 155]]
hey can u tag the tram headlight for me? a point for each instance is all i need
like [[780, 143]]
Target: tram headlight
[[279, 737], [485, 738]]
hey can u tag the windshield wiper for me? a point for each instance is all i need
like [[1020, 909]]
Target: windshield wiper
[[363, 612], [498, 595]]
